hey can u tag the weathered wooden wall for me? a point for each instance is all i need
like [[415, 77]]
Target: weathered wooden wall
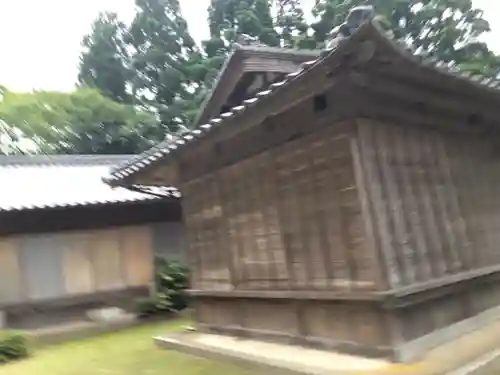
[[287, 218], [354, 326], [433, 196], [168, 240], [62, 265], [349, 210]]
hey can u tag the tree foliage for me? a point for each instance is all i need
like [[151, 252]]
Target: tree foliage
[[230, 18], [448, 29], [293, 30], [171, 283], [163, 54], [105, 60], [275, 23], [80, 122], [152, 76]]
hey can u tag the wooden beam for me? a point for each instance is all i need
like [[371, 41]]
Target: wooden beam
[[380, 81]]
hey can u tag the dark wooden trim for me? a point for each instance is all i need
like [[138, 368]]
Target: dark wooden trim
[[89, 217], [396, 92], [444, 86], [98, 298], [448, 285], [290, 294], [391, 299]]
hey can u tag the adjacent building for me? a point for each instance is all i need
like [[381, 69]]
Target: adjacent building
[[69, 242]]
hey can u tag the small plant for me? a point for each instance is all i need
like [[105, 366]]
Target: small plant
[[13, 346], [171, 280]]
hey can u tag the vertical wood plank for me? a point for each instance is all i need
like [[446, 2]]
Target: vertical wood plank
[[197, 198], [360, 259], [300, 165], [10, 272], [248, 224], [371, 242], [421, 186], [269, 243], [78, 272], [289, 215], [462, 159], [293, 209], [137, 255], [227, 197], [404, 253], [193, 253], [461, 239], [342, 261], [438, 191], [366, 137], [321, 245], [41, 259], [493, 186], [487, 197], [106, 259], [281, 214], [257, 237], [241, 207], [317, 236], [412, 203], [221, 239]]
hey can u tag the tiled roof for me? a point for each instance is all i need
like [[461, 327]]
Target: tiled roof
[[61, 181], [160, 151]]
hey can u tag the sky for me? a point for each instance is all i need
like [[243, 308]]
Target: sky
[[40, 39]]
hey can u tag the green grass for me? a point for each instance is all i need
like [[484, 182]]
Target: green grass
[[130, 352]]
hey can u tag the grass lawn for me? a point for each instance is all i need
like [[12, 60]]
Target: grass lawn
[[130, 352]]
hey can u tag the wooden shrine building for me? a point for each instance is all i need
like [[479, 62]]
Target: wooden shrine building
[[352, 205]]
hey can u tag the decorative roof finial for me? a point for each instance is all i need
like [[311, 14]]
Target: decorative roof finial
[[246, 40], [356, 17]]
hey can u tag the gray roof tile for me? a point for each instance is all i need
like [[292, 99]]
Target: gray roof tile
[[63, 181]]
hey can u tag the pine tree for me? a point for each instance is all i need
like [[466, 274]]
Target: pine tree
[[165, 58], [104, 60], [230, 18], [292, 26]]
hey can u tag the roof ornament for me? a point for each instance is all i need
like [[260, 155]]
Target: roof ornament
[[246, 40], [356, 17]]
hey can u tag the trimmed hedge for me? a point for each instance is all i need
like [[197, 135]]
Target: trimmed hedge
[[13, 346]]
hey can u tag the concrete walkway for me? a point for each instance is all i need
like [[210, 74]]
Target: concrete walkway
[[471, 354]]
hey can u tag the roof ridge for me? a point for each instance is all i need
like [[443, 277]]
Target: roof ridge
[[63, 159]]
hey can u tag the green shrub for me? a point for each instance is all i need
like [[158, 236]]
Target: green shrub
[[171, 279], [13, 346]]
